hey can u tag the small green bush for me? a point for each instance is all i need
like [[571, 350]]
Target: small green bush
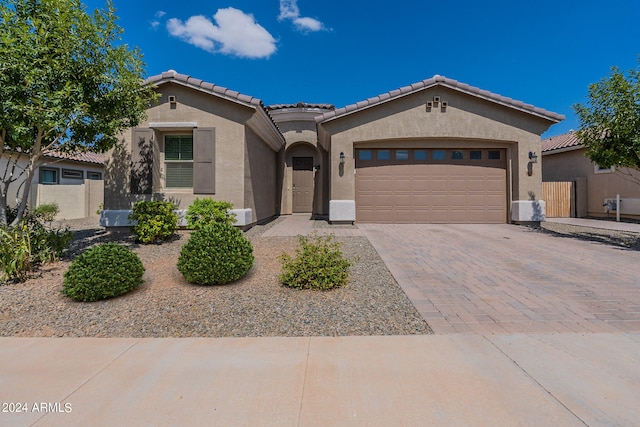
[[101, 272], [156, 221], [318, 264], [47, 212], [29, 244], [216, 254], [15, 253], [207, 211]]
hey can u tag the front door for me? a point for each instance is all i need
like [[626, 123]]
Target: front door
[[302, 184]]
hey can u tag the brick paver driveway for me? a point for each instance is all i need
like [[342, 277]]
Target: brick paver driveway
[[510, 279]]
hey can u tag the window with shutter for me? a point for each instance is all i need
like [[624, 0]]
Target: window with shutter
[[178, 158]]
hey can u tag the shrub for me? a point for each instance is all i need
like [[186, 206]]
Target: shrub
[[47, 245], [318, 264], [216, 254], [207, 211], [47, 212], [156, 221], [15, 253], [103, 271], [29, 244]]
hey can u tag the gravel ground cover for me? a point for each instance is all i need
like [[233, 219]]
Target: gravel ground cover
[[165, 305]]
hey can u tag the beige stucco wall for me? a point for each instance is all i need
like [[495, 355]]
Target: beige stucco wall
[[207, 111], [570, 165], [467, 121], [261, 178], [73, 200]]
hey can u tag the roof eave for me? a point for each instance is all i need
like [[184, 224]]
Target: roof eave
[[448, 83]]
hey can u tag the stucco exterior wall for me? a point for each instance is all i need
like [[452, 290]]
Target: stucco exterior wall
[[207, 111], [261, 178], [467, 121], [74, 200], [571, 165]]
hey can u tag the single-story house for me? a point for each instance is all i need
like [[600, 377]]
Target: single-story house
[[73, 181], [594, 188], [438, 151]]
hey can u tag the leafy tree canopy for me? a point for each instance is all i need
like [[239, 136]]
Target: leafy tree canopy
[[610, 120], [66, 84]]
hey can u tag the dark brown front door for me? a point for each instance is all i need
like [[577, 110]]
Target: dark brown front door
[[302, 184]]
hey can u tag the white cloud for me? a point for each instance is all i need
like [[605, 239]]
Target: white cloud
[[158, 15], [289, 10], [234, 33]]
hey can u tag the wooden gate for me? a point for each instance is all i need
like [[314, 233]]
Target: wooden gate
[[559, 197]]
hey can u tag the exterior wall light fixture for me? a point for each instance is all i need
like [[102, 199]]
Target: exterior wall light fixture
[[533, 157], [342, 157]]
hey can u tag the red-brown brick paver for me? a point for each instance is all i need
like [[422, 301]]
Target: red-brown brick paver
[[493, 279]]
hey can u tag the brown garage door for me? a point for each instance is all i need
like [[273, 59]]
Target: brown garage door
[[431, 186]]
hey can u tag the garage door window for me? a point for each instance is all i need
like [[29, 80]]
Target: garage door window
[[384, 154], [365, 155], [494, 155], [438, 155], [475, 155], [402, 154], [457, 155], [420, 155]]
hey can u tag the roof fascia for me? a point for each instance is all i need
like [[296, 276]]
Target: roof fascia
[[440, 81]]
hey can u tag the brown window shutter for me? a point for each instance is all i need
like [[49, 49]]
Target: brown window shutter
[[142, 161], [204, 161]]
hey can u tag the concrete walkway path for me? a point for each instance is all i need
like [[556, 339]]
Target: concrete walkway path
[[302, 224], [455, 380]]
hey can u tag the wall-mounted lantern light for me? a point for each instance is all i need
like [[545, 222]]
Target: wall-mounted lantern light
[[342, 157], [533, 157]]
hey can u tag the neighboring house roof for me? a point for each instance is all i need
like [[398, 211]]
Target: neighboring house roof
[[565, 142], [438, 80], [87, 157]]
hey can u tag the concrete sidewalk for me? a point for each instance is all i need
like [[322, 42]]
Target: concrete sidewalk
[[599, 223], [470, 380]]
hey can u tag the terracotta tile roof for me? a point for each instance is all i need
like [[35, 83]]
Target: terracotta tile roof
[[438, 80], [211, 88], [223, 92], [559, 142], [301, 105], [87, 157]]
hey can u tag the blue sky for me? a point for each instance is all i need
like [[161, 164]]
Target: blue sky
[[541, 52]]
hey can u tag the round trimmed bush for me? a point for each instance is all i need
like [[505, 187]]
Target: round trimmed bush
[[216, 254], [101, 272]]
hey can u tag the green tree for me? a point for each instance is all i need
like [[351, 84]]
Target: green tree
[[610, 120], [66, 84]]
